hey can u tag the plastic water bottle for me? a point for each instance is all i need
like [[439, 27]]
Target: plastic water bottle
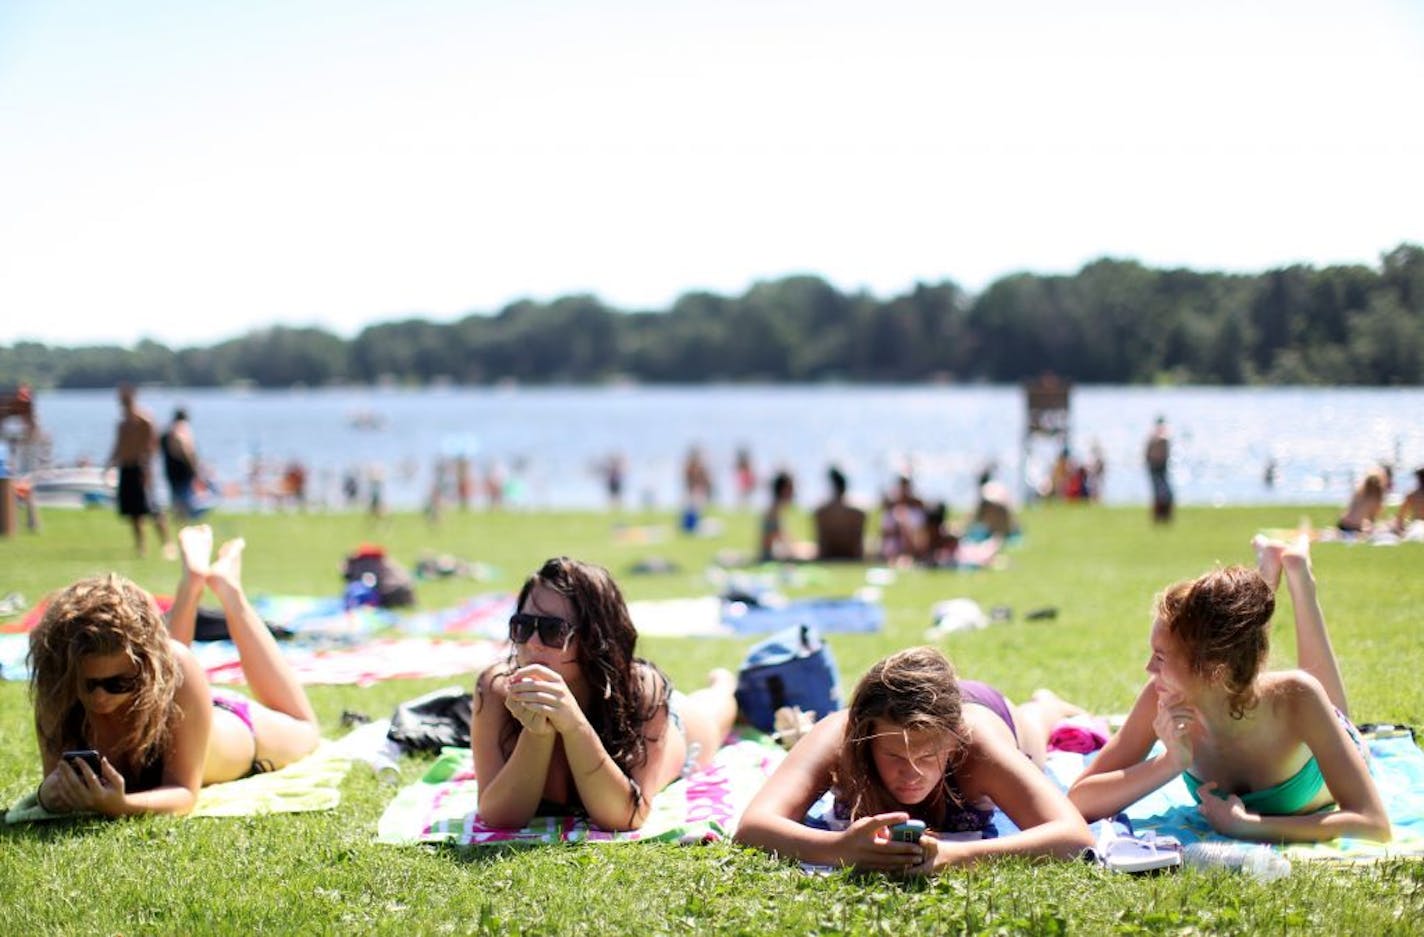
[[1258, 861], [370, 745]]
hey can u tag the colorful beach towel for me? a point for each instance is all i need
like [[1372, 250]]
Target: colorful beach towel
[[321, 616], [441, 807], [368, 663], [484, 616], [1396, 764], [313, 783]]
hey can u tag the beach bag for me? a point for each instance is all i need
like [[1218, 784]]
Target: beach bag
[[434, 721], [793, 667], [393, 585]]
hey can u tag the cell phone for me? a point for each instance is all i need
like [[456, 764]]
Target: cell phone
[[88, 756], [908, 832]]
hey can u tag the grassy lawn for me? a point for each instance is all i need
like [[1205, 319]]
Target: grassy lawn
[[321, 873]]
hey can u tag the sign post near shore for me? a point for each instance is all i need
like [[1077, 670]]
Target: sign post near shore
[[1047, 402]]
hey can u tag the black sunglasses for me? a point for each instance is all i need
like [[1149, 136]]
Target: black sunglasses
[[553, 630], [114, 686]]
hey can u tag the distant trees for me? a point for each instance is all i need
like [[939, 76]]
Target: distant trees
[[1114, 321]]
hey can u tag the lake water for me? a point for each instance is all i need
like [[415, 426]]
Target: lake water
[[549, 442]]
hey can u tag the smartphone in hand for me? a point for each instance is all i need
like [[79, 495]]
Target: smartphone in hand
[[908, 832], [88, 756]]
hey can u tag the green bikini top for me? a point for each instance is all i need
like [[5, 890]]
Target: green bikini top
[[1292, 795]]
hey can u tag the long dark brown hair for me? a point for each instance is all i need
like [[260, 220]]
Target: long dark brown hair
[[103, 615], [619, 708], [912, 690], [1223, 621]]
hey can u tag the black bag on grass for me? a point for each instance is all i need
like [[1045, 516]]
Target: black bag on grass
[[429, 723]]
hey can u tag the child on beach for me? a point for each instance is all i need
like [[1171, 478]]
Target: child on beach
[[108, 676], [1263, 752], [919, 743], [573, 722]]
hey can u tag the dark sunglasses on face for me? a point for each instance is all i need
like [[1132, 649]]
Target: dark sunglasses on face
[[553, 630], [114, 686]]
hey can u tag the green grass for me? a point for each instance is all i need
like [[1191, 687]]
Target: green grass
[[322, 873]]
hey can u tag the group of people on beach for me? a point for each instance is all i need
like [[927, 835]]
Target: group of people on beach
[[574, 721], [1364, 515], [912, 531]]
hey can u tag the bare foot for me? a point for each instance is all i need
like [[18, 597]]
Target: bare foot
[[196, 546], [1296, 557], [227, 569], [1056, 704], [721, 678], [1268, 559]]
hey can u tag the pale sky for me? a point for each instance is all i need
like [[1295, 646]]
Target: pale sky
[[188, 171]]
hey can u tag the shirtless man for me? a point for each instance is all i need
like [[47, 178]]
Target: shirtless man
[[840, 526], [135, 444]]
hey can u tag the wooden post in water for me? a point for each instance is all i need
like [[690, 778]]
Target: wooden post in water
[[1048, 414]]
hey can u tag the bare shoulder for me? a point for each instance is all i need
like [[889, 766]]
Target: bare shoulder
[[193, 689], [650, 679], [1292, 691], [821, 747], [187, 661], [986, 734], [493, 682]]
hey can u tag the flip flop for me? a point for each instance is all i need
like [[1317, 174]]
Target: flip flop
[[1150, 853]]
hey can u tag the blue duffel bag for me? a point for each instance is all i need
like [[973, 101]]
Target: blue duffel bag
[[793, 667]]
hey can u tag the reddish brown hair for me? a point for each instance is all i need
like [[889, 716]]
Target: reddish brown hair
[[1223, 621]]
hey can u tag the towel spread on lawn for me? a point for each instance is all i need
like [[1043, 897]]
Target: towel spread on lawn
[[1396, 764], [441, 807], [710, 616], [371, 662], [312, 783]]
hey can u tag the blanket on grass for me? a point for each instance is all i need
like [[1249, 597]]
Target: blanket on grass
[[710, 616], [313, 783], [1396, 764], [441, 806], [363, 665], [480, 616]]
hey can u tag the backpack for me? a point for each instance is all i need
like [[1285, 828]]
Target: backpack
[[392, 583], [793, 667]]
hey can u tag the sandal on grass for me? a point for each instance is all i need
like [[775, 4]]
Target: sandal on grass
[[1123, 852]]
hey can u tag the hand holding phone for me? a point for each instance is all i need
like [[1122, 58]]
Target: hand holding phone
[[88, 756], [908, 832]]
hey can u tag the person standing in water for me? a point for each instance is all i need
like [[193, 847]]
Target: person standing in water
[[135, 444]]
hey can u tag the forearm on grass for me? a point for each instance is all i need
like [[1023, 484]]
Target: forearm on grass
[[785, 837], [1104, 794]]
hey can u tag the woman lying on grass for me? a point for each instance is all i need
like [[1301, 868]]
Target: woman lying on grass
[[108, 676], [1263, 752], [573, 722], [918, 743]]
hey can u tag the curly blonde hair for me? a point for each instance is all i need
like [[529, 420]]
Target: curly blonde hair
[[915, 690], [103, 615]]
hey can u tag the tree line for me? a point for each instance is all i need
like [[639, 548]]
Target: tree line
[[1112, 322]]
